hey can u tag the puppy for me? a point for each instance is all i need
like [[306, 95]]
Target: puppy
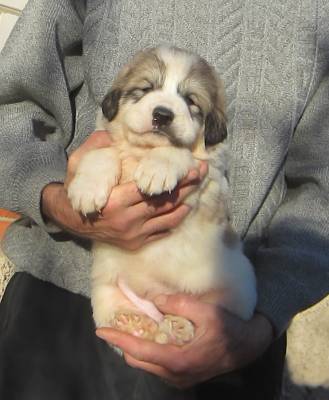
[[165, 113]]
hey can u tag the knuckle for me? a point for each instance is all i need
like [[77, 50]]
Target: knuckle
[[170, 223], [94, 136], [129, 236], [124, 226], [113, 203], [118, 224], [213, 312], [168, 206], [204, 169], [100, 138], [150, 210], [74, 157], [72, 164], [130, 360], [181, 302], [180, 366], [177, 216], [121, 228], [131, 245]]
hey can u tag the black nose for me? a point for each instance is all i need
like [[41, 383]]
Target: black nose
[[162, 116]]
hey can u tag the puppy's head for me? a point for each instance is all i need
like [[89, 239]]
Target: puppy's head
[[167, 94]]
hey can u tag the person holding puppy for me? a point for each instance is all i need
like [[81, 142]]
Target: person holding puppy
[[274, 64]]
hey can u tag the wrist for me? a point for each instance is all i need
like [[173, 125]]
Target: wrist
[[50, 198], [56, 208]]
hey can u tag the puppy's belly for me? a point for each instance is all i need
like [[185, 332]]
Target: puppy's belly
[[193, 259], [180, 262]]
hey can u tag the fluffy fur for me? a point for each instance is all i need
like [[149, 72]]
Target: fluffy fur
[[165, 112]]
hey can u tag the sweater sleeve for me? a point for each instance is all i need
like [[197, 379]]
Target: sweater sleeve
[[293, 267], [40, 70]]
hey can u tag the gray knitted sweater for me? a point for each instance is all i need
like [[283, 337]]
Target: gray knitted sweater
[[273, 57]]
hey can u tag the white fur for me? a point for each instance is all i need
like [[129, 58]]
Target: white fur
[[196, 257], [157, 173], [92, 184], [138, 118]]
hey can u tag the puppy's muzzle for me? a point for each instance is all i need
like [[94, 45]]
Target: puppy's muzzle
[[162, 117]]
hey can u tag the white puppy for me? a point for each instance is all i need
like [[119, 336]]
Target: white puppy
[[165, 113]]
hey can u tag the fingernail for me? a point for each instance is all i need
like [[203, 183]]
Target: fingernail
[[160, 300], [101, 334]]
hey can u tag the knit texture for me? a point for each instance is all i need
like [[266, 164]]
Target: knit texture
[[273, 58]]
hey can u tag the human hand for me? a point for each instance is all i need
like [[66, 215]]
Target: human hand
[[222, 343], [130, 219]]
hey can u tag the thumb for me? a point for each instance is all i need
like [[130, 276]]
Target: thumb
[[183, 305], [96, 140]]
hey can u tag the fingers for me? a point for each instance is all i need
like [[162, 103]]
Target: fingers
[[128, 195], [151, 217], [165, 202], [95, 140], [125, 195], [157, 205], [166, 222], [156, 236], [195, 174], [186, 306], [141, 349], [186, 186], [203, 167], [169, 362]]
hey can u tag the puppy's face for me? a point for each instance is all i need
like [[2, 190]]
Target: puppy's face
[[167, 95]]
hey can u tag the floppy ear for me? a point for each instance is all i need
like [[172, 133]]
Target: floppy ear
[[215, 128], [110, 104]]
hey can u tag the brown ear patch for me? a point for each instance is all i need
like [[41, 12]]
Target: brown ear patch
[[110, 104], [215, 128]]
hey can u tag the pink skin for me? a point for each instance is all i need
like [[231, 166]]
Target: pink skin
[[147, 307]]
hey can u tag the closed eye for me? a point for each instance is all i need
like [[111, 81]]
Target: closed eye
[[189, 101], [141, 91], [192, 103], [147, 88], [138, 92]]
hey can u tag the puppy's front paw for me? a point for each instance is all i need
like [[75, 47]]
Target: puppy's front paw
[[161, 170], [89, 193], [155, 177], [96, 174]]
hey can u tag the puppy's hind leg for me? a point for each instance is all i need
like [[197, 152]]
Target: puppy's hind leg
[[111, 308]]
